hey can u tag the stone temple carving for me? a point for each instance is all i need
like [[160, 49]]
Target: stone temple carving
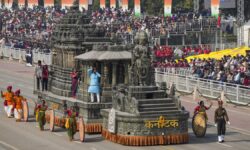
[[141, 70]]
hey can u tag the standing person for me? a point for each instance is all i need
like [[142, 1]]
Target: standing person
[[94, 87], [38, 74], [41, 115], [202, 109], [74, 82], [18, 111], [9, 101], [220, 119], [71, 124], [45, 77]]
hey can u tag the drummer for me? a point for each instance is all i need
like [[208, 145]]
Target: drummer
[[8, 103], [202, 108], [18, 111], [41, 114], [72, 125]]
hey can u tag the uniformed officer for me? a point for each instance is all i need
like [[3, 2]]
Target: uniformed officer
[[220, 119]]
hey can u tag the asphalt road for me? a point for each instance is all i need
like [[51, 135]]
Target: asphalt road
[[27, 136]]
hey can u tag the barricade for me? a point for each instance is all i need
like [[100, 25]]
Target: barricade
[[237, 94]]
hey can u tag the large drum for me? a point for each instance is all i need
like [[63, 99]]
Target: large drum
[[25, 111], [52, 120], [81, 129], [199, 124]]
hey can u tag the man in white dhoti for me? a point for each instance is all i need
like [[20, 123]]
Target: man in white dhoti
[[8, 100]]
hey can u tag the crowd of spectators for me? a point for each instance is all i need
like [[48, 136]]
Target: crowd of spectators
[[228, 69], [120, 21], [164, 54], [35, 24]]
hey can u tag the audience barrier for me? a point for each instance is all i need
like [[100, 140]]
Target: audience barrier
[[186, 83], [20, 55]]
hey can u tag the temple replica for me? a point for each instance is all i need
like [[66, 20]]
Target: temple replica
[[72, 36], [132, 109], [142, 114]]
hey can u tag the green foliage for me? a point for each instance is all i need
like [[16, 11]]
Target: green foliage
[[96, 4], [187, 4]]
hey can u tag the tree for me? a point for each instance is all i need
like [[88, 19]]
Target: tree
[[96, 4]]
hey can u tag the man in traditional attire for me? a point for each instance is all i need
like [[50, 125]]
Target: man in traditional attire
[[72, 125], [41, 115], [202, 109], [74, 82], [9, 101], [220, 118], [94, 87], [18, 100]]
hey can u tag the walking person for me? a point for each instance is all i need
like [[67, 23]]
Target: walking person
[[202, 109], [38, 74], [71, 124], [220, 119], [94, 87], [18, 111], [45, 77], [8, 101], [41, 115], [74, 82]]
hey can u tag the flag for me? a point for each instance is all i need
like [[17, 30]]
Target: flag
[[102, 3], [48, 3], [215, 5], [137, 8], [67, 3], [31, 3], [112, 3], [167, 8], [21, 3], [125, 4], [83, 4]]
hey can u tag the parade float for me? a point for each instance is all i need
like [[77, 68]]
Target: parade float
[[142, 114]]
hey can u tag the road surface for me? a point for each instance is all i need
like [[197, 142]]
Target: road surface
[[27, 136]]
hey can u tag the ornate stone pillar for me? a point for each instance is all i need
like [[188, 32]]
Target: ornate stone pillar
[[126, 73], [105, 74], [114, 66]]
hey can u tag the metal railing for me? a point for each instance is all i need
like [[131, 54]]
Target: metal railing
[[20, 55], [234, 93]]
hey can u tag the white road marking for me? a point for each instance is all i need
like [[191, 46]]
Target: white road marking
[[8, 145], [224, 144], [58, 134], [78, 142], [93, 148]]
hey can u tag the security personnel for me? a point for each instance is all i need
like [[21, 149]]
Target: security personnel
[[220, 119]]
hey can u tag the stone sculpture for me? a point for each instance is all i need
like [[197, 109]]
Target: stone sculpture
[[141, 61]]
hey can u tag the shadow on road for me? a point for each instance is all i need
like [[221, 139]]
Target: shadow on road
[[94, 139]]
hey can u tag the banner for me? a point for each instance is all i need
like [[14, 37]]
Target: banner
[[112, 3], [137, 8], [21, 3], [167, 8], [215, 5], [83, 4], [48, 3], [102, 4], [8, 3], [67, 3], [32, 3], [125, 4]]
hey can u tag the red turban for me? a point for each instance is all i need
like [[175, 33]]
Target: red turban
[[9, 87], [17, 92]]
